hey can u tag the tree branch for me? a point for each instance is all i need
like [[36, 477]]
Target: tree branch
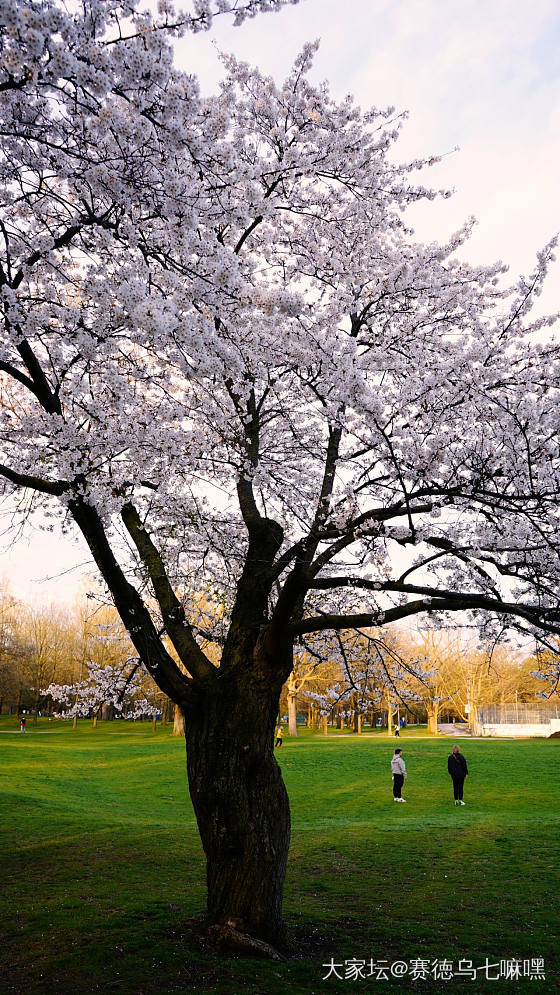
[[54, 487], [434, 600], [172, 610], [12, 371], [131, 607]]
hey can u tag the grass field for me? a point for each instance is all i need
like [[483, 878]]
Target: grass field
[[103, 874]]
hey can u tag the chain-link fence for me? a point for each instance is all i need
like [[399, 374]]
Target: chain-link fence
[[518, 714]]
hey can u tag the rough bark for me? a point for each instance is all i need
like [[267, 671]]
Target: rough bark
[[240, 802]]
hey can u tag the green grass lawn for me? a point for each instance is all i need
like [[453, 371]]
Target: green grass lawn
[[103, 873]]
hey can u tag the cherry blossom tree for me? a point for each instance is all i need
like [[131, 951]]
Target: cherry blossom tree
[[227, 359], [120, 687]]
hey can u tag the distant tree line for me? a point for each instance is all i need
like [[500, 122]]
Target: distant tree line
[[50, 644], [344, 679], [429, 675]]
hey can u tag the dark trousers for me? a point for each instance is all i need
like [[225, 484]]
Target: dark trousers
[[398, 781], [458, 783]]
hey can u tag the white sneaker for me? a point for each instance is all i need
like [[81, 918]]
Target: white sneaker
[[462, 803], [457, 802]]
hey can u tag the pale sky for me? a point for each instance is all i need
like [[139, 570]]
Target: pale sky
[[483, 75]]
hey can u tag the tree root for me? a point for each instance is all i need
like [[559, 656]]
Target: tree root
[[225, 936]]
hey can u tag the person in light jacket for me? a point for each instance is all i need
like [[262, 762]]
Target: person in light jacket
[[398, 768], [457, 767]]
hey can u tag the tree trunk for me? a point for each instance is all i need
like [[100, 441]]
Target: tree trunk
[[292, 714], [178, 721], [432, 708], [36, 709], [241, 804]]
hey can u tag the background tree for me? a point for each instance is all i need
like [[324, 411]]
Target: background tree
[[227, 358], [310, 668], [474, 676], [439, 651], [119, 687], [371, 676], [11, 649], [537, 676], [48, 640]]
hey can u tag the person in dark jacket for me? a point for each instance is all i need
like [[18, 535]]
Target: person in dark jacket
[[457, 767]]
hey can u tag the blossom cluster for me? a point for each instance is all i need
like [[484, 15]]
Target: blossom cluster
[[120, 687]]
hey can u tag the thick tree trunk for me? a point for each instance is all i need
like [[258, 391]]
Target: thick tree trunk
[[292, 714], [178, 721], [432, 709], [240, 803]]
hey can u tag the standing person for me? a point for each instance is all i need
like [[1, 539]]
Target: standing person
[[279, 737], [398, 768], [22, 724], [457, 767]]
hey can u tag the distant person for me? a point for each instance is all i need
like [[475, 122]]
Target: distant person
[[22, 724], [279, 737], [457, 767], [397, 731], [398, 768]]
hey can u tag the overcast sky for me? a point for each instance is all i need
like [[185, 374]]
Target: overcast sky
[[483, 75]]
